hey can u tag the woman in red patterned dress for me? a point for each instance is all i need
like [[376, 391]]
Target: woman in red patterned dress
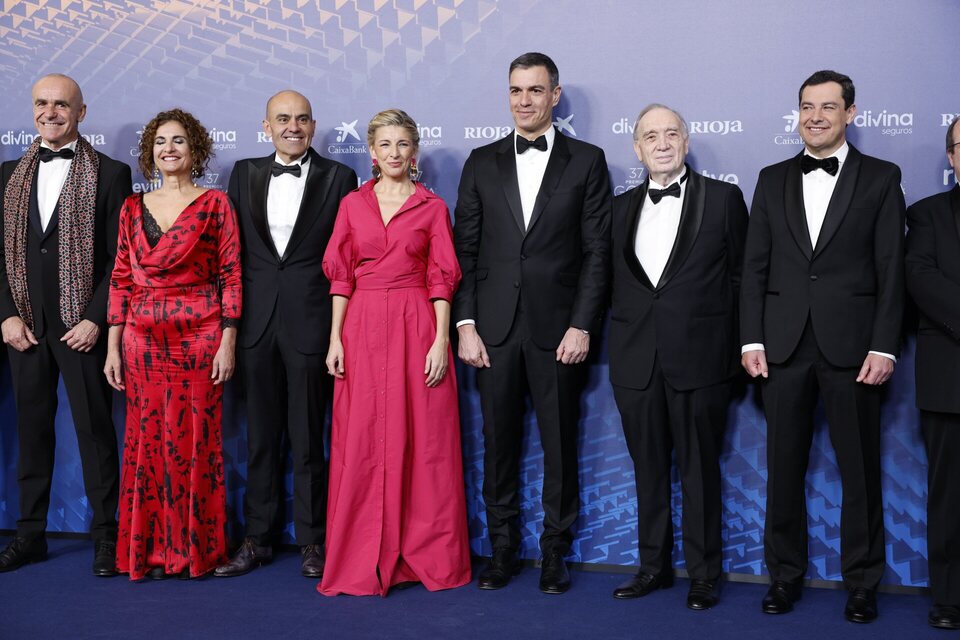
[[173, 311], [396, 511]]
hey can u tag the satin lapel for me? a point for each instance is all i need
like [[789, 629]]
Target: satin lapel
[[54, 221], [634, 206], [559, 157], [840, 200], [955, 206], [507, 166], [258, 179], [691, 217], [33, 210], [793, 207], [314, 195]]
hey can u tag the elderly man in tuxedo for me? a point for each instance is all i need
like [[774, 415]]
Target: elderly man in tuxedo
[[61, 207], [674, 351], [286, 203], [820, 316], [532, 235], [933, 280]]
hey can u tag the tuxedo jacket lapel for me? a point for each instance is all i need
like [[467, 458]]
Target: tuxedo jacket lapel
[[559, 157], [259, 179], [691, 216], [507, 167], [793, 207], [955, 206], [316, 190], [840, 200], [634, 206]]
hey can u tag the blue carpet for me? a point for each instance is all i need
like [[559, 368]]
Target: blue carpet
[[60, 598]]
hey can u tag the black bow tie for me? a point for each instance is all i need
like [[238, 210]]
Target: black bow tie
[[279, 169], [831, 165], [656, 195], [46, 155], [523, 144]]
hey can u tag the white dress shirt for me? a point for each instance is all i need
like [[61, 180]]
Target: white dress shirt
[[818, 186], [51, 175], [531, 165], [284, 195], [657, 229]]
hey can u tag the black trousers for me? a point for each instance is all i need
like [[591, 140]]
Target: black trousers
[[657, 421], [35, 373], [517, 366], [286, 393], [853, 417], [941, 433]]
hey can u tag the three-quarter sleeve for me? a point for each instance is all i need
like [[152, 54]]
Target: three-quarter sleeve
[[121, 280], [443, 269], [339, 260], [231, 288]]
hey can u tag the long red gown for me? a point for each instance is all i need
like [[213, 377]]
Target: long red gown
[[396, 509], [172, 298]]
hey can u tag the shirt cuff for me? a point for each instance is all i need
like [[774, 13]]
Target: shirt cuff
[[885, 355], [467, 321], [753, 346]]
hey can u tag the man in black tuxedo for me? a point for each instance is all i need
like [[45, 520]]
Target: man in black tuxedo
[[286, 203], [822, 303], [532, 235], [61, 207], [674, 349], [933, 280]]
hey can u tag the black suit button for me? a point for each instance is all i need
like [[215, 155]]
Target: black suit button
[[656, 296], [523, 256], [516, 285], [43, 251], [280, 268], [813, 278]]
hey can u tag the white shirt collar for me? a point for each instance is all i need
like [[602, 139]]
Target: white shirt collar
[[303, 160], [655, 185], [840, 154], [70, 145]]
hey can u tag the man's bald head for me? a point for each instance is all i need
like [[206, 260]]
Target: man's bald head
[[289, 123], [58, 109]]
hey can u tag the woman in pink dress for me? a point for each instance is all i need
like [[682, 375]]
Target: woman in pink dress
[[396, 510]]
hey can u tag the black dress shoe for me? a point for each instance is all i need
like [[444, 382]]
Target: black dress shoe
[[503, 566], [643, 584], [105, 558], [780, 597], [944, 616], [861, 605], [249, 556], [22, 551], [312, 560], [158, 573], [703, 594], [554, 577]]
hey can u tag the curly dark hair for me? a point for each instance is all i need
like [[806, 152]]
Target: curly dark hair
[[197, 138]]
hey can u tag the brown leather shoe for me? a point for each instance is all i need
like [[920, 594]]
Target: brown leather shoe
[[249, 556], [22, 551], [312, 560]]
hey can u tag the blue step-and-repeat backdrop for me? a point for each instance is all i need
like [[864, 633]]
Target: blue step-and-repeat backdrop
[[732, 68]]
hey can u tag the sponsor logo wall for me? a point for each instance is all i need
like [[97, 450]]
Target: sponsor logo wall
[[445, 63]]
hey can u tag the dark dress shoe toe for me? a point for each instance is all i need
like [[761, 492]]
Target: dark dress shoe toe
[[312, 560], [105, 558], [554, 576], [944, 616], [861, 605], [703, 594], [780, 597], [643, 584], [22, 551], [503, 565], [158, 573], [249, 556]]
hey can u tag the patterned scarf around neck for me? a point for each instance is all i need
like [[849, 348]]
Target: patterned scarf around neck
[[76, 209]]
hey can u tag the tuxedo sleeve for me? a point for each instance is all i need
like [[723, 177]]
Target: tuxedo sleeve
[[936, 295], [233, 186], [466, 239], [8, 307], [118, 186], [346, 182], [756, 268], [888, 265], [737, 221], [590, 301]]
